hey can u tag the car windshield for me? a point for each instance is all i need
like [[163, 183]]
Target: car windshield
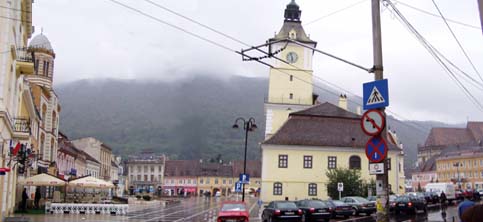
[[392, 198], [316, 204], [360, 199], [402, 199], [285, 205], [233, 207]]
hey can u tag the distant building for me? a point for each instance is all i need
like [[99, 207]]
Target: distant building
[[181, 177], [441, 149], [442, 137], [100, 152], [146, 172], [462, 166], [66, 158], [214, 177]]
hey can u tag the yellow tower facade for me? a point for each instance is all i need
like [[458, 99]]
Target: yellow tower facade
[[290, 81]]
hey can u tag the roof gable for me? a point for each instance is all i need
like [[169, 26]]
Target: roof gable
[[476, 129], [449, 136]]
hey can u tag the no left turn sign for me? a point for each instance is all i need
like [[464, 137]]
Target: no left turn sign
[[372, 122]]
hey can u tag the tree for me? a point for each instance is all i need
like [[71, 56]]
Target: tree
[[353, 184]]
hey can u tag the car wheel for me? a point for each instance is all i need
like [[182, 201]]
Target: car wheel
[[356, 212]]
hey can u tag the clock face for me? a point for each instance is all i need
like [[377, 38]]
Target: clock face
[[292, 57]]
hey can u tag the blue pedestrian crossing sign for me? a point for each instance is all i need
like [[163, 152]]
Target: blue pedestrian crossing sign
[[375, 94], [244, 178], [238, 186]]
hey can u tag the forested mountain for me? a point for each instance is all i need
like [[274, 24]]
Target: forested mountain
[[186, 119]]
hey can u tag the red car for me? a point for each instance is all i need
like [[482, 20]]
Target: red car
[[233, 211]]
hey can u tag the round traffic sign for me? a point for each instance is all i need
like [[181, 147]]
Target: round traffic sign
[[376, 149], [373, 122]]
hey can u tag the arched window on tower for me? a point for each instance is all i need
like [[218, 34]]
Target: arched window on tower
[[355, 162]]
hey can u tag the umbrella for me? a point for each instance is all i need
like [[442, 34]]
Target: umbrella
[[90, 182], [42, 180]]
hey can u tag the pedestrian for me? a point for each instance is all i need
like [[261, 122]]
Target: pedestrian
[[38, 196], [473, 214], [463, 206], [444, 205], [25, 197]]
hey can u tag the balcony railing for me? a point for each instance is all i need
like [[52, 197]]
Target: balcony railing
[[21, 124], [24, 55]]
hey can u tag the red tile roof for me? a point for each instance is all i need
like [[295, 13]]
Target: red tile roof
[[322, 125], [181, 168], [472, 135], [254, 168]]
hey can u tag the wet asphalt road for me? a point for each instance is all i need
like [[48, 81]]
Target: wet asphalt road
[[206, 209]]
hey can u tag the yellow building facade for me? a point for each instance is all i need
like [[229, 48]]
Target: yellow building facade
[[465, 163], [295, 160]]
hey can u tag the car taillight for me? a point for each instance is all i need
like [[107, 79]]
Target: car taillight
[[330, 209], [277, 212], [410, 204], [300, 212], [219, 220], [311, 210]]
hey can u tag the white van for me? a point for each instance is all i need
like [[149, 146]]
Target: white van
[[447, 188]]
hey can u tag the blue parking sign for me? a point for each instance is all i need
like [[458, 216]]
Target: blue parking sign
[[244, 178], [238, 186]]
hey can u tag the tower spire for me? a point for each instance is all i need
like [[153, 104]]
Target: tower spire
[[292, 12]]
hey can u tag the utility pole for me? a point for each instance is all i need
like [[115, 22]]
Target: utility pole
[[382, 215]]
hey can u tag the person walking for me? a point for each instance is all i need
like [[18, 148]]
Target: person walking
[[38, 196], [25, 197], [444, 204]]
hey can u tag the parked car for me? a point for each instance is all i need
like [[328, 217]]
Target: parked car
[[360, 205], [392, 202], [339, 208], [410, 204], [282, 211], [480, 192], [431, 197], [233, 211], [314, 210]]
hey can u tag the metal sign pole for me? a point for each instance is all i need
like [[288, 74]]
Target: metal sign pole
[[382, 214]]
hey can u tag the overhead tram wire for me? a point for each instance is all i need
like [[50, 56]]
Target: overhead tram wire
[[431, 50], [237, 52], [457, 41], [246, 44], [438, 16], [335, 12]]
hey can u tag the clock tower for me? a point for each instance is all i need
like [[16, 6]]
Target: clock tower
[[290, 86]]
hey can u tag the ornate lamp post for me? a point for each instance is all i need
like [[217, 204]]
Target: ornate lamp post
[[248, 125]]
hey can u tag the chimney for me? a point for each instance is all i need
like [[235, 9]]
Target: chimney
[[343, 101], [359, 110]]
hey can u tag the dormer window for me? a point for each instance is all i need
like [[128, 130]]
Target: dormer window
[[292, 34]]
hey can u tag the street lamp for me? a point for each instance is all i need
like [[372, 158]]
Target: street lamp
[[248, 125], [457, 165]]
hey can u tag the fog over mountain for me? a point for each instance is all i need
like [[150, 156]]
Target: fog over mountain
[[186, 119]]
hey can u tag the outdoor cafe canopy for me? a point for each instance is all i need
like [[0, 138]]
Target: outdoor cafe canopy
[[90, 182], [42, 180]]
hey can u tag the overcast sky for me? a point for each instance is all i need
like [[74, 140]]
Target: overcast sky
[[99, 39]]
